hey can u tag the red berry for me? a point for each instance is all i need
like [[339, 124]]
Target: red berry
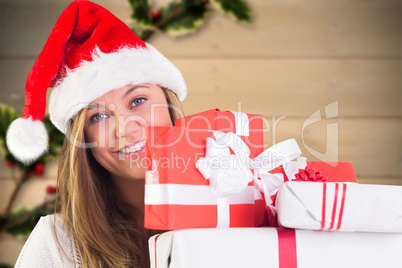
[[51, 189], [39, 169], [9, 163], [205, 2], [155, 14]]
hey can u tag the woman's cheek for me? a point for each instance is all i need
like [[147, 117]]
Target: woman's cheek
[[101, 134], [162, 117]]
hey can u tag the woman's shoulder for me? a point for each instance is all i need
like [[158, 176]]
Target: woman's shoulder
[[49, 245], [54, 222]]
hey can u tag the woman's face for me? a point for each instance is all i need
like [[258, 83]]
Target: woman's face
[[115, 123]]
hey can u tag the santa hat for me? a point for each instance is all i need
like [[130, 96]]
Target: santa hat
[[88, 53]]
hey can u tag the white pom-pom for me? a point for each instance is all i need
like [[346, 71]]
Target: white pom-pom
[[27, 140]]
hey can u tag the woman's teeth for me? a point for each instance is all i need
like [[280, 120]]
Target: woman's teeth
[[132, 149]]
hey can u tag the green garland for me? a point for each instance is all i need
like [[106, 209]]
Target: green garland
[[182, 17], [21, 222]]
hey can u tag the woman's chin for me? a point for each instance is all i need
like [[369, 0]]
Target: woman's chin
[[133, 174]]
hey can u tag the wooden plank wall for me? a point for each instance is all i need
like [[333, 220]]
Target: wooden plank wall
[[297, 58]]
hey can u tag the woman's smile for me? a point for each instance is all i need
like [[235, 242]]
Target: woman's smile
[[134, 150]]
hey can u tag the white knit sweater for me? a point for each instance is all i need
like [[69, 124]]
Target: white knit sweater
[[42, 249]]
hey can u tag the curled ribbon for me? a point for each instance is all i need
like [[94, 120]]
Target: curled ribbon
[[280, 154], [231, 173]]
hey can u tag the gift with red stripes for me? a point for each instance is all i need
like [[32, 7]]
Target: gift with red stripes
[[345, 207]]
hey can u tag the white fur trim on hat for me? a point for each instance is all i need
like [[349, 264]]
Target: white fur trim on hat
[[27, 140], [109, 71]]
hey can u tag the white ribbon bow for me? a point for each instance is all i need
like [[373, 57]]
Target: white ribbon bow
[[231, 173], [228, 173]]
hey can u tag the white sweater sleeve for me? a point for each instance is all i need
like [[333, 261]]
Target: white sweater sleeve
[[42, 249]]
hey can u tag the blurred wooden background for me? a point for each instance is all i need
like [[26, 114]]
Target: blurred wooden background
[[294, 59]]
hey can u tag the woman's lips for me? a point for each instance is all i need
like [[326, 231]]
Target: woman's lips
[[135, 155], [134, 150]]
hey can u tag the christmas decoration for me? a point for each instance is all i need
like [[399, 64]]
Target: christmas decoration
[[51, 190], [39, 167], [155, 14], [22, 221], [182, 17]]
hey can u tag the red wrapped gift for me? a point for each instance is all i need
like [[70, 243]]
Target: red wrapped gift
[[177, 195]]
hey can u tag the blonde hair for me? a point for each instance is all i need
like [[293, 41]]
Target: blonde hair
[[104, 235], [176, 110]]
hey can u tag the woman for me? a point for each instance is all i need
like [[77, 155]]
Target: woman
[[109, 86]]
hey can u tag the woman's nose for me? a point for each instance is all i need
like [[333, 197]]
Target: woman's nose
[[129, 127]]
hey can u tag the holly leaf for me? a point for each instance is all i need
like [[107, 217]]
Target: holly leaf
[[22, 222], [142, 33], [238, 9], [7, 115], [179, 19], [56, 140], [141, 13]]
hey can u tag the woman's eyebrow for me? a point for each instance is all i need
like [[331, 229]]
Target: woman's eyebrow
[[95, 105], [132, 89]]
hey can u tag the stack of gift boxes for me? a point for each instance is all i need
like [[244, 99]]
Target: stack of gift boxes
[[230, 203]]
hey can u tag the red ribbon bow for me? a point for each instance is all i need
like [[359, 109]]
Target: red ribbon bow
[[310, 174]]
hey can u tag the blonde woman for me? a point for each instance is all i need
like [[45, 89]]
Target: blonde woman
[[109, 86]]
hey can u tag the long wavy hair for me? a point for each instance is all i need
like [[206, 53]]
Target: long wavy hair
[[104, 234]]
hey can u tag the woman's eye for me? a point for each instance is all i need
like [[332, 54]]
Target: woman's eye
[[98, 117], [138, 101]]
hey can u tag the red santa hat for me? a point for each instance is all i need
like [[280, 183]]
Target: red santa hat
[[88, 53]]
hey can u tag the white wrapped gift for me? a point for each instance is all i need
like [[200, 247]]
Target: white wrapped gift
[[273, 248], [340, 206]]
